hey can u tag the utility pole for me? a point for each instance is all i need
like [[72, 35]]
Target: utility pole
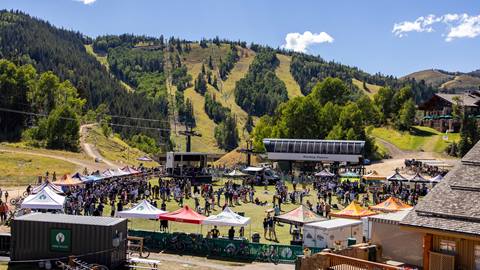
[[189, 132], [249, 151]]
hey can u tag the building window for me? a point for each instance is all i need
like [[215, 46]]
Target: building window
[[448, 246], [477, 257]]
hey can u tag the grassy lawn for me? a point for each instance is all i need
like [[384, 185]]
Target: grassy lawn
[[115, 149], [256, 213], [283, 73], [420, 138], [372, 88], [18, 169]]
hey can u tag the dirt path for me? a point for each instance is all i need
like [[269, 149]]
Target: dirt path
[[90, 150], [398, 156]]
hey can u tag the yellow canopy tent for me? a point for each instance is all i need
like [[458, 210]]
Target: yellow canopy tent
[[374, 176], [391, 204], [354, 210]]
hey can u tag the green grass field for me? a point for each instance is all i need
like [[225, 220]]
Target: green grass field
[[22, 169], [372, 88], [420, 138], [283, 73], [256, 213]]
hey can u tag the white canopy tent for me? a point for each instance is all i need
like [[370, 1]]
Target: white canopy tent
[[236, 173], [45, 199], [142, 210], [227, 218]]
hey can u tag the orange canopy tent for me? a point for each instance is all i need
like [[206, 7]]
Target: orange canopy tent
[[374, 176], [68, 181], [391, 204], [354, 210]]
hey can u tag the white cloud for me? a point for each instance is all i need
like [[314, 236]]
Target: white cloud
[[86, 2], [468, 27], [300, 42], [457, 26]]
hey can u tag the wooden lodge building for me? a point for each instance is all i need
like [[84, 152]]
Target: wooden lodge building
[[438, 110], [449, 218]]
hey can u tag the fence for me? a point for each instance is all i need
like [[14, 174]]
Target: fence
[[243, 250]]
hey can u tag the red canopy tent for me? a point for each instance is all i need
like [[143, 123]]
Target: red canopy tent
[[184, 215]]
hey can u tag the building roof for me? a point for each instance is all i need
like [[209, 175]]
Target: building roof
[[452, 205], [390, 218], [469, 99], [70, 219], [334, 223]]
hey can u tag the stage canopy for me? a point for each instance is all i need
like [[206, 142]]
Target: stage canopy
[[67, 181], [53, 187], [45, 199], [397, 177], [417, 178], [299, 216], [324, 173], [142, 210], [437, 178], [184, 215], [391, 204], [227, 218], [354, 210], [236, 173], [373, 176]]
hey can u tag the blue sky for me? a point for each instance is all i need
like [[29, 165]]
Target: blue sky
[[355, 32]]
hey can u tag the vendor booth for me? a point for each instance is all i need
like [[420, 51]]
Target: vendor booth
[[227, 218], [391, 204], [335, 233], [299, 216], [184, 215], [46, 199], [129, 170], [142, 210], [324, 174], [397, 244], [418, 179], [67, 181], [354, 210], [373, 176], [397, 177], [236, 174], [49, 184], [80, 177], [350, 176]]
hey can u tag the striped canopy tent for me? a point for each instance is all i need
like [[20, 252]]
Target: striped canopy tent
[[437, 179], [373, 176], [397, 177], [355, 211], [299, 216], [130, 170], [80, 177], [67, 181], [417, 178], [324, 173], [391, 204], [183, 215], [49, 184]]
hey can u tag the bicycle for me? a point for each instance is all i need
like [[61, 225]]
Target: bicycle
[[268, 254]]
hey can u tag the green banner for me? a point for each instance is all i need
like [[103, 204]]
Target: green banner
[[60, 240]]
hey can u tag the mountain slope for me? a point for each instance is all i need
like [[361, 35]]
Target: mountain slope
[[283, 73], [447, 81]]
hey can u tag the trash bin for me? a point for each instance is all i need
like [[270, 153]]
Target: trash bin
[[351, 241], [255, 238]]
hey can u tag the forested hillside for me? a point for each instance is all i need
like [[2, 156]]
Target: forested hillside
[[156, 86], [26, 40]]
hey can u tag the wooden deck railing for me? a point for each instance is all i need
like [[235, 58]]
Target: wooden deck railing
[[340, 262]]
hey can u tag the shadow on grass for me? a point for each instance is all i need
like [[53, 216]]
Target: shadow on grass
[[422, 133]]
